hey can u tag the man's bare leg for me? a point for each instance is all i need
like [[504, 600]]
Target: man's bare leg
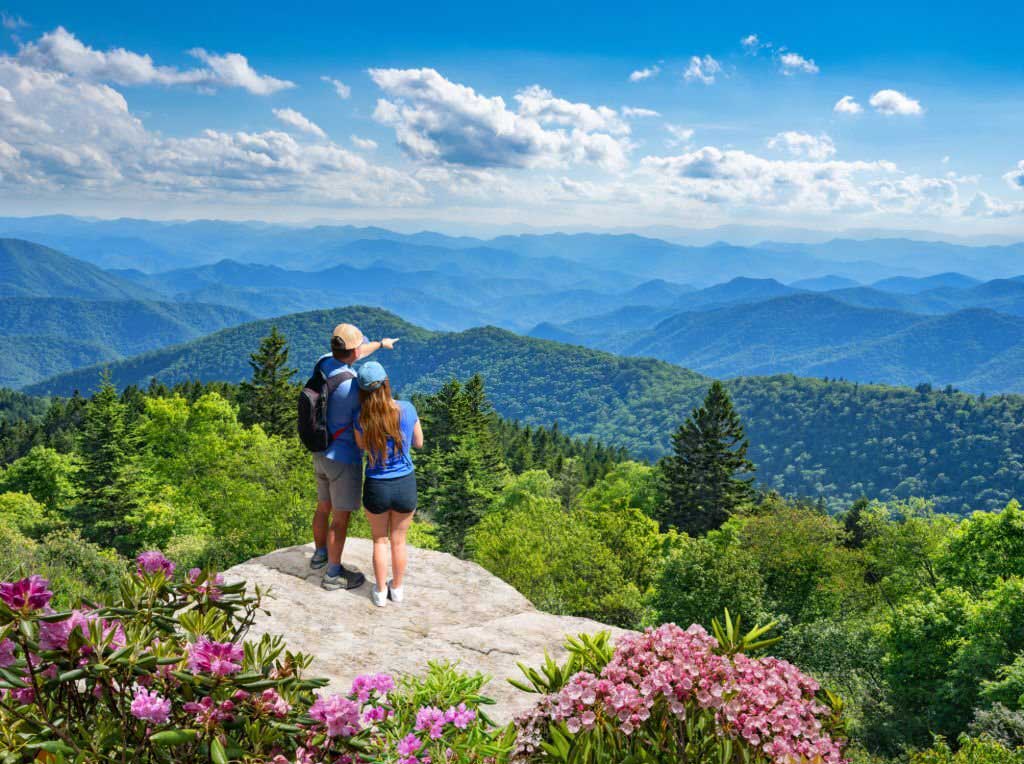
[[336, 536]]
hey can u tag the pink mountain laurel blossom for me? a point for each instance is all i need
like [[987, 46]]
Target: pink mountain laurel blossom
[[154, 562], [766, 702], [26, 595], [219, 658], [210, 587], [150, 706]]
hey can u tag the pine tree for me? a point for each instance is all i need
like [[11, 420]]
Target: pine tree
[[269, 399], [708, 477], [110, 485]]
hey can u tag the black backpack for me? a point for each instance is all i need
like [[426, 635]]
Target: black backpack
[[313, 399]]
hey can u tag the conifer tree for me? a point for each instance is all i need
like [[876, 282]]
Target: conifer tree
[[109, 483], [707, 477], [269, 398]]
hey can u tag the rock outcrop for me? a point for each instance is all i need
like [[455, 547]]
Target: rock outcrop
[[453, 610]]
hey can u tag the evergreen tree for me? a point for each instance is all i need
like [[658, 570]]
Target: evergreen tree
[[269, 399], [109, 483], [707, 477]]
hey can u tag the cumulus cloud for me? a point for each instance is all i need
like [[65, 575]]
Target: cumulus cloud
[[299, 121], [751, 44], [65, 133], [364, 144], [233, 70], [1015, 177], [847, 105], [984, 206], [702, 69], [680, 135], [631, 112], [343, 90], [793, 63], [61, 51], [436, 120], [12, 21], [893, 102], [816, 147], [645, 74]]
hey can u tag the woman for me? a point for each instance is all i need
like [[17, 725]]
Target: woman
[[387, 430]]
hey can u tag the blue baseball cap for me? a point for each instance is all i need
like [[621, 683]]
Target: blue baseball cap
[[371, 376]]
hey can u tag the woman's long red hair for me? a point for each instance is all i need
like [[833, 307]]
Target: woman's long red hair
[[380, 419]]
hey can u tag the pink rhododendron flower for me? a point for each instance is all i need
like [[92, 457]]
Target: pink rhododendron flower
[[32, 593], [55, 635], [270, 703], [208, 657], [154, 562], [340, 715], [6, 653], [150, 706], [210, 587], [363, 686], [208, 713], [766, 702]]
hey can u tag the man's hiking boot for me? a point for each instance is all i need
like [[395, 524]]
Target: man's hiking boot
[[347, 579], [318, 560]]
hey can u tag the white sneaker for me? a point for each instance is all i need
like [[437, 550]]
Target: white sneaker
[[380, 599], [396, 593]]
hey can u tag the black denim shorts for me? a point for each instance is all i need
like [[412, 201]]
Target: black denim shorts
[[397, 494]]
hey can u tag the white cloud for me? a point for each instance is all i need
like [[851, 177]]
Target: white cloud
[[847, 105], [12, 21], [299, 121], [680, 135], [702, 69], [61, 51], [945, 159], [632, 112], [751, 44], [1015, 177], [343, 90], [985, 206], [365, 144], [793, 63], [816, 147], [436, 120], [645, 74], [233, 70], [893, 102]]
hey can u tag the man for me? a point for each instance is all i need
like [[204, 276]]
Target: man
[[339, 469]]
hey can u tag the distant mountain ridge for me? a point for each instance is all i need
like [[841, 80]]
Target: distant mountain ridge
[[837, 440]]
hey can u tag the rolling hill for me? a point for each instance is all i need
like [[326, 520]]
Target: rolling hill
[[813, 334], [43, 336], [28, 269], [836, 440]]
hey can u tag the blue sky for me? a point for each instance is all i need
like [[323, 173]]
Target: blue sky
[[453, 113]]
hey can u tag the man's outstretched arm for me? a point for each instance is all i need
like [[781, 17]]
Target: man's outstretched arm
[[369, 348]]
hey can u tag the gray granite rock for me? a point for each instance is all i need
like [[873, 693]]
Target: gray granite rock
[[453, 610]]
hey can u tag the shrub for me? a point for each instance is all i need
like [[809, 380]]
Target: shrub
[[670, 695], [164, 675]]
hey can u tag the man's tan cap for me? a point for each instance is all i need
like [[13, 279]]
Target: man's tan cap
[[346, 337]]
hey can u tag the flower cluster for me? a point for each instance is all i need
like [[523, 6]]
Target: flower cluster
[[338, 714], [270, 703], [26, 595], [150, 706], [432, 720], [154, 562], [210, 588], [766, 702], [219, 658], [209, 713], [55, 635]]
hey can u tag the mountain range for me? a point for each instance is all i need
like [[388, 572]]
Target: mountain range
[[834, 439]]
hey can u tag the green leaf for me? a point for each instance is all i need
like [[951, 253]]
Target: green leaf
[[217, 752], [173, 737]]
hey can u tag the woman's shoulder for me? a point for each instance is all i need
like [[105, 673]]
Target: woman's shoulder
[[408, 409]]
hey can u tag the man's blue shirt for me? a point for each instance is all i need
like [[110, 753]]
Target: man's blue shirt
[[342, 408]]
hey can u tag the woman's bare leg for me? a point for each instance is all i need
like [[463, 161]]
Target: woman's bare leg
[[379, 531], [400, 522]]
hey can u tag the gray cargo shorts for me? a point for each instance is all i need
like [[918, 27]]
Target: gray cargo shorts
[[339, 483]]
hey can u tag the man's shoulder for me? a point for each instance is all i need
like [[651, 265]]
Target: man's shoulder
[[331, 366]]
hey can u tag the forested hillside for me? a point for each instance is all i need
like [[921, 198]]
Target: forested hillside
[[834, 439], [44, 336]]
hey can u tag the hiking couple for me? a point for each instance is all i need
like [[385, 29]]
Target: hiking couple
[[344, 413]]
